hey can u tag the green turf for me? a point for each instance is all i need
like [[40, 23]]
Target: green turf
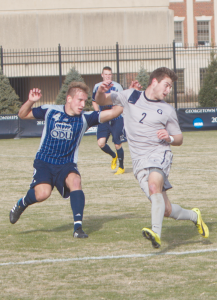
[[116, 210]]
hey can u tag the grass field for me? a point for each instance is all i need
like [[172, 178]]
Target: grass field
[[39, 258]]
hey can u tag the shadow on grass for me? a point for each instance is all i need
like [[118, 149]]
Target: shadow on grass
[[91, 223], [176, 236]]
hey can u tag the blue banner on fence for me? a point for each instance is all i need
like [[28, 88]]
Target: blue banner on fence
[[195, 119], [8, 126], [11, 126], [30, 128], [190, 119]]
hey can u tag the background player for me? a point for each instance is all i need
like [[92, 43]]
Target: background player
[[151, 126], [55, 163], [113, 127]]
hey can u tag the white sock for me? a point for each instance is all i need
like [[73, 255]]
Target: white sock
[[157, 212], [179, 213]]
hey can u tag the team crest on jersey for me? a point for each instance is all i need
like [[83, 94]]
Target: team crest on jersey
[[160, 111], [62, 131], [56, 117]]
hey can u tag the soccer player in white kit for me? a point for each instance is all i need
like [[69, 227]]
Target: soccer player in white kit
[[151, 126]]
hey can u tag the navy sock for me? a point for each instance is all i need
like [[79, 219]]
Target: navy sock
[[108, 150], [120, 153], [77, 200], [28, 199]]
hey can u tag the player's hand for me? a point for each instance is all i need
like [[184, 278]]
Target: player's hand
[[162, 134], [105, 86], [135, 85], [35, 94]]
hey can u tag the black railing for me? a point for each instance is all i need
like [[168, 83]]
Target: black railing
[[46, 68]]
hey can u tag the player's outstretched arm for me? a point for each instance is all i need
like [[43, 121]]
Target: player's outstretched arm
[[25, 111], [103, 98], [109, 114], [174, 140]]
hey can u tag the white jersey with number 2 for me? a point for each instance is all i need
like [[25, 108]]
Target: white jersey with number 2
[[142, 119]]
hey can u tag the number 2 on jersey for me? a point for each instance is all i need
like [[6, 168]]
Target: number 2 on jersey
[[144, 115]]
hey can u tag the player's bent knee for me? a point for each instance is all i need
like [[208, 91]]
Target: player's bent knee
[[154, 189], [101, 144], [42, 192], [117, 147], [42, 195], [73, 182]]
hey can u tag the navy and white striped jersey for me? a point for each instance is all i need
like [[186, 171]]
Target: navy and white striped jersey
[[115, 88], [62, 133]]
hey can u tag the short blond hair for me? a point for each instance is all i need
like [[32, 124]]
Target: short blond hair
[[76, 86]]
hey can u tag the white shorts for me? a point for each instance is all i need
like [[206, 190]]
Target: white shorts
[[143, 167]]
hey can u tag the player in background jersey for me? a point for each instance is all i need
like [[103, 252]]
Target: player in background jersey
[[55, 163], [114, 127], [151, 127]]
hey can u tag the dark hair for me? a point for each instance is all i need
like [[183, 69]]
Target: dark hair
[[161, 73], [107, 68], [76, 86]]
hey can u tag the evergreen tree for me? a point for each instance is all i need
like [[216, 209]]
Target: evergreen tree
[[72, 75], [207, 96], [143, 78], [9, 100]]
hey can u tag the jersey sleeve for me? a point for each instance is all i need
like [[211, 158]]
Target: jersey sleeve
[[40, 112], [120, 98], [172, 125], [92, 118]]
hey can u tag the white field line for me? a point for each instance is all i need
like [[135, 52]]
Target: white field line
[[29, 262]]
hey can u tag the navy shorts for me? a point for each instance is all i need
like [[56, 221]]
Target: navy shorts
[[55, 175], [113, 127]]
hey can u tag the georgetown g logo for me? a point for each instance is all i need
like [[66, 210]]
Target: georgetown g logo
[[62, 131]]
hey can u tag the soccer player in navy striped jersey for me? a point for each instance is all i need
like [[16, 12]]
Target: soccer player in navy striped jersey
[[114, 127], [151, 126], [55, 163]]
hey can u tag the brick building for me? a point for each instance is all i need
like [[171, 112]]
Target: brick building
[[195, 21]]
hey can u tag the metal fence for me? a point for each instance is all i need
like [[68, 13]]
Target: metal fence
[[47, 68]]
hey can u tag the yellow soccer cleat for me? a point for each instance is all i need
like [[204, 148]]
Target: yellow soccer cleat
[[114, 162], [201, 226], [120, 171], [152, 236]]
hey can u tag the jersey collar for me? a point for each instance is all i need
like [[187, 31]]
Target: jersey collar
[[150, 99]]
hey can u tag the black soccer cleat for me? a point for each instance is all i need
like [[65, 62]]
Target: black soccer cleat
[[15, 213], [79, 233]]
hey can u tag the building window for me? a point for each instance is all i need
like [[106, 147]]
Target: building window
[[203, 33], [178, 33], [202, 75]]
